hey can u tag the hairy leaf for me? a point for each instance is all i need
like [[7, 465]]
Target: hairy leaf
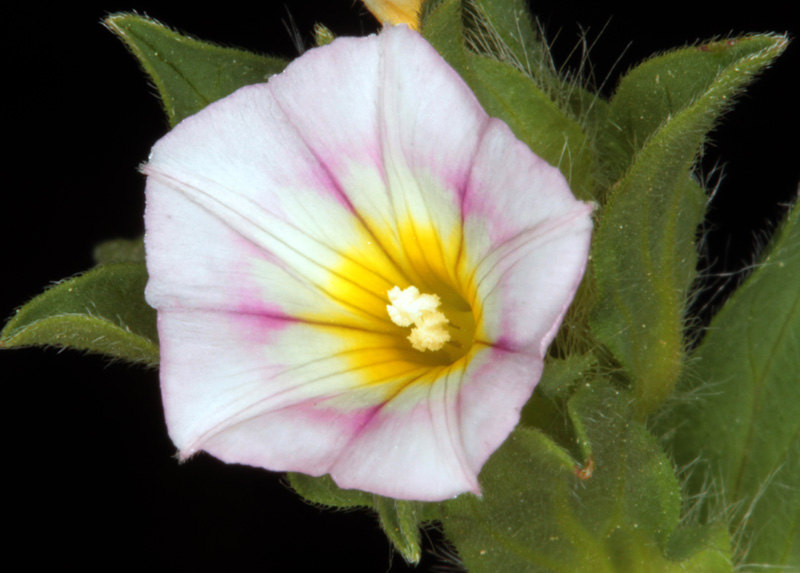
[[704, 77], [746, 427], [324, 491], [534, 118], [542, 511], [101, 311], [189, 74], [508, 94], [643, 252]]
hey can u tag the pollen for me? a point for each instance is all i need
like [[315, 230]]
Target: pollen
[[410, 307]]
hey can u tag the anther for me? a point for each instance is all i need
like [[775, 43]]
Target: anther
[[409, 307]]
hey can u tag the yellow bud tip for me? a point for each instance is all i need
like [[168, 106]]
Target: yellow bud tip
[[396, 11], [409, 307]]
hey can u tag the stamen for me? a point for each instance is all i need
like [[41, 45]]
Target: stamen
[[409, 307]]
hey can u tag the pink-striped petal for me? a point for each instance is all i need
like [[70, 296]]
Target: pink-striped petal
[[279, 218]]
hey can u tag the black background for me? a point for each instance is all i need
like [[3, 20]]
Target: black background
[[90, 478]]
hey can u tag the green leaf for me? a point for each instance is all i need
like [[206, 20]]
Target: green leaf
[[441, 25], [546, 408], [400, 521], [189, 74], [324, 491], [704, 78], [701, 548], [746, 428], [510, 95], [561, 374], [645, 258], [505, 30], [101, 311], [643, 251], [120, 251], [541, 511]]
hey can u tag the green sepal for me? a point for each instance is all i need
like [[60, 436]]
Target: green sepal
[[546, 409], [613, 511], [189, 74], [119, 251], [323, 491], [561, 374], [101, 311], [400, 521], [745, 425]]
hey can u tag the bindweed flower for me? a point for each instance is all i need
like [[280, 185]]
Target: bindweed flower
[[396, 11], [356, 271]]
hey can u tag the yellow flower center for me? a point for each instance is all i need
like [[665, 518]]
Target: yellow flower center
[[411, 307], [443, 328]]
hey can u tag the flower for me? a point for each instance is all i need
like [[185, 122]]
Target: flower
[[356, 271], [396, 11]]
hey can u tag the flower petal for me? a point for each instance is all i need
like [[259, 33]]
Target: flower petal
[[279, 218], [533, 239], [399, 148]]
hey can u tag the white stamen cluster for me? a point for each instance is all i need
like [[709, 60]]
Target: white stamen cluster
[[409, 307]]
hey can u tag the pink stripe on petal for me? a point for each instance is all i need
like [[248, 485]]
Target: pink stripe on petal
[[274, 218], [301, 438], [510, 201]]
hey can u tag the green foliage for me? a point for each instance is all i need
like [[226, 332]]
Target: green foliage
[[698, 82], [746, 429], [101, 311], [399, 519], [643, 251], [644, 261], [441, 26], [324, 491], [189, 74], [534, 118], [561, 374], [505, 30], [510, 95], [541, 511], [701, 548]]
